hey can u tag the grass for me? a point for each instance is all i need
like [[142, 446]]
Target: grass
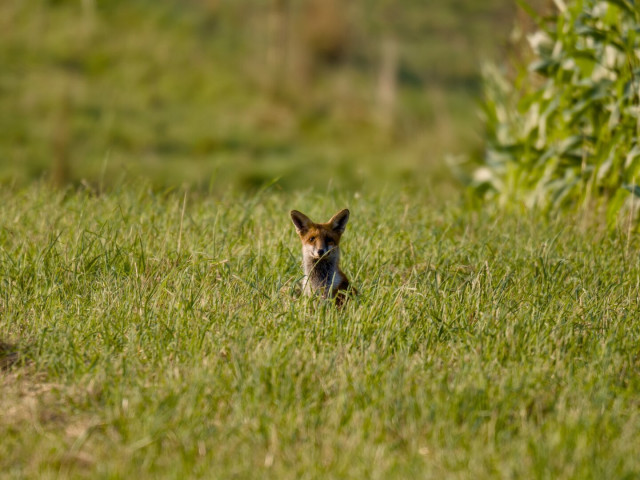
[[179, 92], [162, 335]]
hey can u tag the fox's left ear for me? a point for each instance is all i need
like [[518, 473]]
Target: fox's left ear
[[339, 221], [300, 221]]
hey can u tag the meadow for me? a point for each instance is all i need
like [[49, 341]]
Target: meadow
[[151, 321], [205, 93], [161, 334]]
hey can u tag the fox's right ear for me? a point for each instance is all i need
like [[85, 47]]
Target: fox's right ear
[[301, 222], [339, 221]]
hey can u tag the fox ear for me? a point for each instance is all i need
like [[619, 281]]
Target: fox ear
[[301, 221], [339, 221]]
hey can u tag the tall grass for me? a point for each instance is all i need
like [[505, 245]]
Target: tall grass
[[164, 335], [213, 93]]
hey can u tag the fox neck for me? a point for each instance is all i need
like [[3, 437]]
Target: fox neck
[[321, 273]]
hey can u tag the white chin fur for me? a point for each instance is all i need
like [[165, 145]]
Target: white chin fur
[[328, 254]]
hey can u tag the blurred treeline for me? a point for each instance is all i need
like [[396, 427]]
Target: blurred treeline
[[234, 93]]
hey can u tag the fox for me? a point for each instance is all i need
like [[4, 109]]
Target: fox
[[321, 256]]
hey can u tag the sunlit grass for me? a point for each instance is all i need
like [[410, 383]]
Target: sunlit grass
[[179, 92], [164, 335]]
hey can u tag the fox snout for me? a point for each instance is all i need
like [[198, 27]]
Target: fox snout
[[322, 251]]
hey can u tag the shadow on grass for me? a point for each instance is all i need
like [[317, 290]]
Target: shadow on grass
[[8, 355]]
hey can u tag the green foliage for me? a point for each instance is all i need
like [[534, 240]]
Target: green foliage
[[205, 92], [566, 130], [160, 335]]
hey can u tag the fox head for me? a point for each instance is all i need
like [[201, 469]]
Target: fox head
[[320, 240]]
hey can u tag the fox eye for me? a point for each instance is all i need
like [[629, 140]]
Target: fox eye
[[312, 239]]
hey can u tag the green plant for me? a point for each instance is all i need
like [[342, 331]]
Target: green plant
[[565, 130]]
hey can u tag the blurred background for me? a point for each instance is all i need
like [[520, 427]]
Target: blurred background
[[220, 94]]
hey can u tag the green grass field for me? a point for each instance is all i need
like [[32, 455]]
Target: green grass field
[[151, 323], [181, 92], [163, 335]]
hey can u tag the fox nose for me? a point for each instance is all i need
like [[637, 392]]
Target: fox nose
[[321, 251]]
